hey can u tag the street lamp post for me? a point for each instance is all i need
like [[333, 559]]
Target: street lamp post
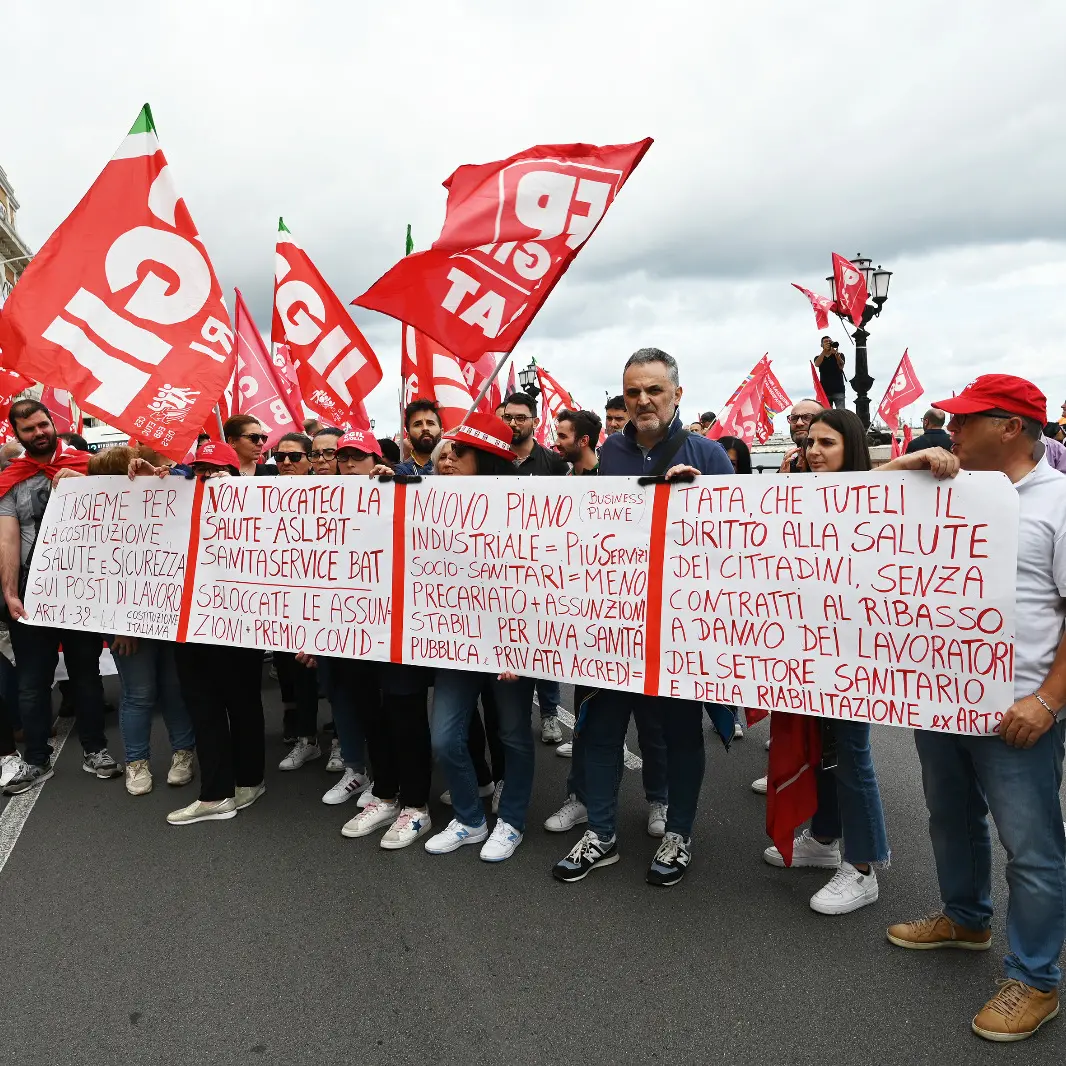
[[527, 378], [877, 282]]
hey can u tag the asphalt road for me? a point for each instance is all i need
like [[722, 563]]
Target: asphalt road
[[271, 939]]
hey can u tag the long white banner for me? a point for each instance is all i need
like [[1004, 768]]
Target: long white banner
[[885, 598]]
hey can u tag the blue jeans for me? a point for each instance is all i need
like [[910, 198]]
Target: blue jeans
[[342, 701], [455, 694], [652, 755], [849, 801], [604, 733], [966, 778], [549, 696], [150, 676]]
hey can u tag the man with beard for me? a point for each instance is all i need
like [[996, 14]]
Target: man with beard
[[421, 419], [520, 413], [25, 487], [576, 434]]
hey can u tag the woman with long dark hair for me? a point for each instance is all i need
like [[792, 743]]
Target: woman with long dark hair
[[738, 452]]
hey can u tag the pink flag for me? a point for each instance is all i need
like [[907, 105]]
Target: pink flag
[[59, 406], [823, 306], [511, 386], [554, 399], [904, 390], [819, 392], [851, 288], [747, 411], [259, 392]]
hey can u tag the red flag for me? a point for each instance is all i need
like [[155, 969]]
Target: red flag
[[823, 306], [554, 399], [121, 307], [512, 229], [60, 408], [851, 289], [11, 385], [259, 391], [774, 401], [746, 411], [904, 390], [431, 373], [819, 392], [791, 781], [899, 445], [335, 366], [511, 386]]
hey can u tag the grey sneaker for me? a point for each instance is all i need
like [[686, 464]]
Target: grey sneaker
[[27, 777], [246, 795], [550, 730], [199, 811], [101, 764]]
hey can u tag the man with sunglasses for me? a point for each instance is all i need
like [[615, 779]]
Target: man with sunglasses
[[996, 425], [247, 437], [520, 413], [421, 419], [799, 422]]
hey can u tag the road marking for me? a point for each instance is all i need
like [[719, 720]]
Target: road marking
[[632, 762], [18, 808]]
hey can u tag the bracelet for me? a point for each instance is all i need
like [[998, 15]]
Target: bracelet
[[1044, 703]]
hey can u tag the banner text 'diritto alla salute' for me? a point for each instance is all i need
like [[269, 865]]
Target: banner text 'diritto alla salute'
[[887, 599]]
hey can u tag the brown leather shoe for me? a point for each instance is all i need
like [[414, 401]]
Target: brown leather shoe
[[1015, 1012], [938, 931]]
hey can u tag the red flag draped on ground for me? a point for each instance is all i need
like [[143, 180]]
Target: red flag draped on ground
[[823, 306], [819, 392], [263, 389], [335, 366], [904, 390], [59, 407], [851, 288], [121, 307], [554, 399], [511, 230]]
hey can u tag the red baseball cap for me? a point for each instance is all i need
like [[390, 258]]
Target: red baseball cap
[[361, 439], [215, 453], [998, 392], [486, 432]]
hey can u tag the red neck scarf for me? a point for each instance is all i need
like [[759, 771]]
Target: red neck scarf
[[26, 466]]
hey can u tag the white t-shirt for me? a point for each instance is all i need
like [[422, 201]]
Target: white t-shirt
[[1041, 603]]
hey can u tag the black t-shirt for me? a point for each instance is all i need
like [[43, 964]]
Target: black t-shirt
[[832, 377], [541, 462]]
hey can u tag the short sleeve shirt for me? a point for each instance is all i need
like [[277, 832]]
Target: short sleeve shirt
[[26, 502]]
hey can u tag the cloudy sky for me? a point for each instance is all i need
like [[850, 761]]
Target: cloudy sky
[[926, 134]]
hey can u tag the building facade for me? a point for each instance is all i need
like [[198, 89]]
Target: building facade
[[14, 252]]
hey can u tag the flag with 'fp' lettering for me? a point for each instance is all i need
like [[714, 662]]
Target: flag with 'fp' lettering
[[851, 289], [511, 230], [121, 307], [904, 390]]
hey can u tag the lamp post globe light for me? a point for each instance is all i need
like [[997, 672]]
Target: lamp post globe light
[[527, 378], [877, 281]]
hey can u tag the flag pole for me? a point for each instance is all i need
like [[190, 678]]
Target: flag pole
[[485, 388]]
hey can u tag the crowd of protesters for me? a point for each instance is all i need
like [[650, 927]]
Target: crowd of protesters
[[385, 730]]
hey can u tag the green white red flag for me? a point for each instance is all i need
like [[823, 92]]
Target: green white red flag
[[121, 307]]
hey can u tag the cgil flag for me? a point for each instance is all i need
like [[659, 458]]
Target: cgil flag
[[554, 400], [335, 366], [904, 390], [431, 373], [822, 305], [61, 408], [511, 230], [122, 308], [769, 396], [850, 289]]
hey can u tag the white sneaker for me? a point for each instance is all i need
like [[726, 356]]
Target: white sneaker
[[373, 816], [351, 784], [550, 731], [767, 743], [565, 750], [484, 791], [335, 765], [367, 797], [738, 730], [656, 819], [759, 785], [572, 812], [501, 845], [10, 767], [455, 836], [138, 777], [848, 890], [497, 795], [304, 750], [806, 851], [410, 824]]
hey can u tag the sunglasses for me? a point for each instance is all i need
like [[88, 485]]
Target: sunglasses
[[255, 438], [353, 455], [960, 420], [324, 453], [796, 420], [290, 457], [459, 450]]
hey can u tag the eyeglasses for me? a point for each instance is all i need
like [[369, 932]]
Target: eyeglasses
[[255, 438], [518, 420], [324, 453], [290, 457], [798, 420]]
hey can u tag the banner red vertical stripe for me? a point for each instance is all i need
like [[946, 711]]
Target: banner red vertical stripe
[[190, 561], [656, 559], [399, 571]]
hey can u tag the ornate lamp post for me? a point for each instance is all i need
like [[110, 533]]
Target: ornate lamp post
[[877, 282], [527, 378]]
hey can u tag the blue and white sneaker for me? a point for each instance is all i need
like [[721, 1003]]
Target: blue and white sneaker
[[501, 845], [455, 835], [671, 861], [588, 854]]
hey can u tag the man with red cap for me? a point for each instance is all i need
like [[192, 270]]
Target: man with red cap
[[996, 424]]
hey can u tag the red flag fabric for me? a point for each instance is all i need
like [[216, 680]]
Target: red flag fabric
[[11, 384], [791, 785], [59, 407], [25, 466], [823, 306], [121, 307], [746, 415], [431, 373], [554, 399], [259, 392], [899, 444], [851, 288], [511, 385], [904, 390], [335, 366], [512, 229], [819, 392]]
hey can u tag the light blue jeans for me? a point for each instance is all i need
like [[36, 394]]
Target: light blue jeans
[[965, 779], [149, 677]]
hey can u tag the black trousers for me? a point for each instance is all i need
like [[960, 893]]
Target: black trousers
[[221, 687], [488, 733], [299, 686]]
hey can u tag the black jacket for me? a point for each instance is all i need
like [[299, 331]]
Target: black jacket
[[931, 438]]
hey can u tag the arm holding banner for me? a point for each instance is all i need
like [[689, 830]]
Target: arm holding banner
[[938, 461], [10, 561]]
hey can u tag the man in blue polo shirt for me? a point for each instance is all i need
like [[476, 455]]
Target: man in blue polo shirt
[[654, 441]]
